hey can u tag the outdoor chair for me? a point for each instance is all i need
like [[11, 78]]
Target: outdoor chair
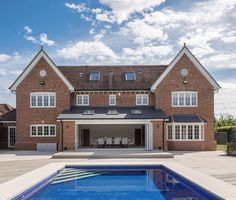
[[100, 142], [125, 142]]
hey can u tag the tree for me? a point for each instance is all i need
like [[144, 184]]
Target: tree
[[225, 121]]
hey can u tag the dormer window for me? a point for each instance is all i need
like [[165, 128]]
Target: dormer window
[[89, 112], [130, 76], [94, 76]]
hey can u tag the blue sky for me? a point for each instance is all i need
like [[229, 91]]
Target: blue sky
[[120, 32]]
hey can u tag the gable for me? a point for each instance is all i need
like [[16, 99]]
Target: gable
[[197, 64], [41, 54]]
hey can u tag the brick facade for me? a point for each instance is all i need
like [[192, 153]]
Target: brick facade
[[160, 98], [196, 82], [27, 116]]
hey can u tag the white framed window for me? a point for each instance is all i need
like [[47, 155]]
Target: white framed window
[[184, 99], [94, 76], [42, 99], [169, 133], [82, 100], [141, 99], [112, 100], [43, 130], [185, 132], [130, 76]]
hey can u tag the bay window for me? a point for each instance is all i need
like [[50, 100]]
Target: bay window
[[185, 132]]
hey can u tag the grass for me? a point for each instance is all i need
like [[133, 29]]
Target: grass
[[221, 147]]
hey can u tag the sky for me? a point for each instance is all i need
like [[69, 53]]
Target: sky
[[75, 32]]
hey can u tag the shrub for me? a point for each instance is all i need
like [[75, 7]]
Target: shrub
[[231, 149]]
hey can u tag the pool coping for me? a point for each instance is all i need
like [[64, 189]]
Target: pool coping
[[16, 186]]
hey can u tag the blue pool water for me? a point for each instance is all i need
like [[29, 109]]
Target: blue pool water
[[132, 183]]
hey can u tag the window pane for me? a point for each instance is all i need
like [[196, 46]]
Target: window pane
[[196, 132], [139, 100], [187, 99], [33, 101], [33, 130], [40, 130], [130, 76], [181, 99], [80, 100], [177, 132], [45, 99], [52, 130], [145, 100], [170, 133], [175, 99], [86, 100], [194, 99], [190, 132], [52, 100], [40, 100], [112, 100], [46, 130], [95, 76], [184, 132]]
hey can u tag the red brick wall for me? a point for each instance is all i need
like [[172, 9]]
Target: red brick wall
[[158, 135], [196, 82], [26, 116], [102, 99], [69, 135]]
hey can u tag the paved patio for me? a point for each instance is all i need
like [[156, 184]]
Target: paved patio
[[213, 163]]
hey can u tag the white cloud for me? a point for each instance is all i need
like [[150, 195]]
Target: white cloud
[[122, 9], [44, 39], [4, 57], [225, 99], [28, 29], [78, 7], [144, 33], [89, 52]]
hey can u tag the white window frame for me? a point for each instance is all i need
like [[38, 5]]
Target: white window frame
[[126, 76], [110, 100], [42, 125], [201, 131], [90, 76], [83, 104], [43, 94], [8, 135], [142, 97], [184, 93]]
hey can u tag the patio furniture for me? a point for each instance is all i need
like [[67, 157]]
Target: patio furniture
[[125, 142], [117, 142], [131, 142], [101, 142], [109, 142]]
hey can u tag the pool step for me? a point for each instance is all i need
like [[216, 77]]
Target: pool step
[[70, 175]]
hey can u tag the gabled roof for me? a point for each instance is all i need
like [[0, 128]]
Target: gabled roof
[[5, 108], [113, 77], [8, 117], [147, 112], [27, 70], [186, 51]]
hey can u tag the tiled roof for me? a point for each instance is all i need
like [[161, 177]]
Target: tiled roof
[[5, 108], [186, 118], [10, 116], [78, 112], [112, 77]]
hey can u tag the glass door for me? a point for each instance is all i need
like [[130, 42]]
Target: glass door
[[11, 136]]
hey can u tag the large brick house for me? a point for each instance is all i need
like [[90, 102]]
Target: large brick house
[[167, 107]]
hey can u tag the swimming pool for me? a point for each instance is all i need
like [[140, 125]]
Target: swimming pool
[[116, 182]]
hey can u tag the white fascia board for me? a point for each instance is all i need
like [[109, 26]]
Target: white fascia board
[[194, 61], [31, 66]]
